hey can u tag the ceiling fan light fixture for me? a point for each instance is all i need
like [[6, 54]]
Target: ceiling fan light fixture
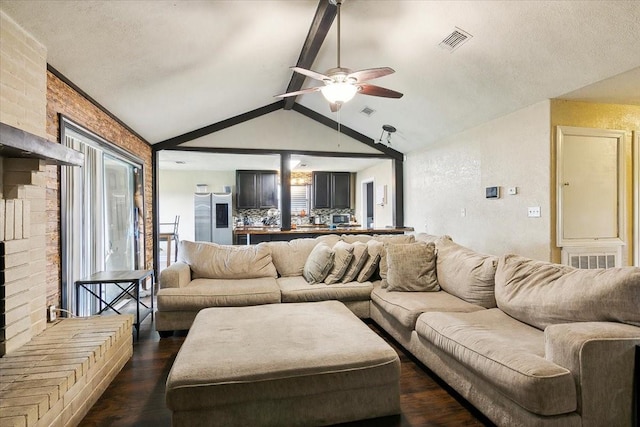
[[339, 93]]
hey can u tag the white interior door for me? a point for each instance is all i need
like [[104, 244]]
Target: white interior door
[[590, 186]]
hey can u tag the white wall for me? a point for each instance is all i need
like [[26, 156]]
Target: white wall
[[382, 174], [511, 151], [176, 190]]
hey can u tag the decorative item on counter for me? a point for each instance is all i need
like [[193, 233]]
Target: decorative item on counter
[[303, 213]]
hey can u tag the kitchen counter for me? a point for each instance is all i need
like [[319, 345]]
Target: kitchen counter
[[256, 234]]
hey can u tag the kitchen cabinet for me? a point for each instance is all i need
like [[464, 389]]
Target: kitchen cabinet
[[331, 190], [256, 189]]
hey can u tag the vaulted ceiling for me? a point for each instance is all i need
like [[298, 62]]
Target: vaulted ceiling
[[166, 68]]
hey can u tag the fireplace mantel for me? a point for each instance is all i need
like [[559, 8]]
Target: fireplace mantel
[[15, 142]]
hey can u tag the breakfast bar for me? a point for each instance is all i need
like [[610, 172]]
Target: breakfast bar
[[253, 235]]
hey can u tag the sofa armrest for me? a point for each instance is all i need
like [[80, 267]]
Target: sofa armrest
[[177, 275], [601, 357]]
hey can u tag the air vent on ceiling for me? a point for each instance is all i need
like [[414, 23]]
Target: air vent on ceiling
[[367, 111], [454, 40]]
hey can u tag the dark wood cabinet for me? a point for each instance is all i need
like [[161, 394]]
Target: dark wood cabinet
[[268, 192], [321, 190], [256, 189], [340, 190], [331, 190]]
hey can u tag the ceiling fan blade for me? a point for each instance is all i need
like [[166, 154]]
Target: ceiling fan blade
[[334, 106], [299, 92], [310, 73], [373, 90], [370, 73]]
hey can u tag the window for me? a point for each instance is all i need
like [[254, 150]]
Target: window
[[102, 224], [300, 199]]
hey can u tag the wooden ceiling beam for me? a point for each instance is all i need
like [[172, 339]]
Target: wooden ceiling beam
[[322, 21]]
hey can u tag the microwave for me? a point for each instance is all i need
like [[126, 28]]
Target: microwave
[[340, 219]]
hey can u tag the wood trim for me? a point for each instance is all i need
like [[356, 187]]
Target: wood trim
[[285, 191], [82, 93], [215, 127], [256, 151], [155, 212], [397, 202], [390, 152], [322, 21]]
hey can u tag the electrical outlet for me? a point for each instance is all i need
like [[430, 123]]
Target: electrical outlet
[[533, 212], [51, 313], [463, 212], [512, 191]]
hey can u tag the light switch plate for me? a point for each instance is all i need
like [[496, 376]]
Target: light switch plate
[[533, 212], [512, 191]]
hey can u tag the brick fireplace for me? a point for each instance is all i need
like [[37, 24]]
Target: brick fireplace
[[25, 156], [32, 98]]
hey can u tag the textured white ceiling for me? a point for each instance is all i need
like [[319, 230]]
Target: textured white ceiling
[[168, 67]]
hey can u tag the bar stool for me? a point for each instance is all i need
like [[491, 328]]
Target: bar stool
[[170, 236]]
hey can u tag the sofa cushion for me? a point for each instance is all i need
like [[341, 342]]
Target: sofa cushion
[[296, 289], [213, 261], [411, 267], [353, 238], [343, 254], [360, 255], [506, 353], [427, 238], [466, 273], [541, 293], [203, 293], [318, 263], [405, 307], [374, 249], [289, 257]]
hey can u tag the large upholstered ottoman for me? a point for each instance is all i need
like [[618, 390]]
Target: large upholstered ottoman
[[282, 364]]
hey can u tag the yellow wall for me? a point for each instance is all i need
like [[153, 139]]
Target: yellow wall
[[599, 116]]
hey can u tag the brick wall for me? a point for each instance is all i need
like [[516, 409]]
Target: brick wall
[[62, 99], [23, 84], [23, 87]]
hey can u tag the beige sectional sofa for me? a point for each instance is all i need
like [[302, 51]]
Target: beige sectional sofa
[[526, 342]]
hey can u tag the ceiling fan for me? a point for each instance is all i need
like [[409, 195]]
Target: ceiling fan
[[341, 84]]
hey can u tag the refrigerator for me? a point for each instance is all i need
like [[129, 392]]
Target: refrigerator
[[213, 218]]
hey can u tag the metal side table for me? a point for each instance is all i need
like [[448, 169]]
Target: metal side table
[[130, 284]]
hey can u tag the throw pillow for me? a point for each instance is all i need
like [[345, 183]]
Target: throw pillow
[[360, 255], [392, 239], [412, 267], [318, 263], [375, 250], [465, 273], [541, 293], [343, 255]]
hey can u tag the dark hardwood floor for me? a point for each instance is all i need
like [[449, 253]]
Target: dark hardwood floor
[[136, 396]]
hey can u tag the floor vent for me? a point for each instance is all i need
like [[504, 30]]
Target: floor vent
[[590, 258], [454, 40]]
